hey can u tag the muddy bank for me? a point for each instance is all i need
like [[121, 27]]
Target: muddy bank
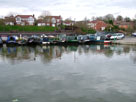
[[126, 41]]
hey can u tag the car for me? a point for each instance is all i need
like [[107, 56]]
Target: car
[[117, 36], [134, 34], [107, 36]]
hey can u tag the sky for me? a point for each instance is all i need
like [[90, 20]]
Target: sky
[[74, 9]]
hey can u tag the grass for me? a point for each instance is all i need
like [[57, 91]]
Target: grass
[[27, 29]]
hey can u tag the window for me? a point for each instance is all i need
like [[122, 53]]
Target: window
[[53, 20], [53, 25], [18, 19], [30, 19], [48, 24], [58, 20]]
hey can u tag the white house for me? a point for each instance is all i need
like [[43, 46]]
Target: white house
[[52, 21], [25, 20], [55, 20], [40, 22]]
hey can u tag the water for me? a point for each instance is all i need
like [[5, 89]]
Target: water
[[89, 73]]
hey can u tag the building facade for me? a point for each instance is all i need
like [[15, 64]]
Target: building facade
[[25, 20], [9, 20], [97, 25], [52, 21], [123, 24], [68, 23]]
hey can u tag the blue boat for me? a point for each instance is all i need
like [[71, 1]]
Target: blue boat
[[1, 42], [11, 40], [92, 37], [45, 40]]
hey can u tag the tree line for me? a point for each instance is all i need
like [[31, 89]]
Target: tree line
[[82, 26]]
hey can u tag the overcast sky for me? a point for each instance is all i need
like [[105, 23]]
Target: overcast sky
[[76, 9]]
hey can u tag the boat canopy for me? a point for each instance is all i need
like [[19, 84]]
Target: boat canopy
[[45, 39], [1, 40], [11, 38]]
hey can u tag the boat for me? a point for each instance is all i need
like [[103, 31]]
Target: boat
[[71, 39], [45, 40], [134, 34], [11, 40], [107, 42], [1, 42], [4, 38], [53, 40], [34, 40], [80, 38], [23, 40], [86, 39], [62, 39]]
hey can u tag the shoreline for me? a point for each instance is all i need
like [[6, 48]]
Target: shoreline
[[128, 40], [125, 41]]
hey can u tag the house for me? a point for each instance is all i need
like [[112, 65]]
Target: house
[[52, 21], [25, 20], [123, 24], [9, 20], [41, 22], [68, 23], [97, 25]]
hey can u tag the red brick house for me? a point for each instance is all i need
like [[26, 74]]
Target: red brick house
[[97, 25], [25, 20], [123, 24]]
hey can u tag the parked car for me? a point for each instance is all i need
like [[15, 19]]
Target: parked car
[[107, 36], [117, 36], [134, 34]]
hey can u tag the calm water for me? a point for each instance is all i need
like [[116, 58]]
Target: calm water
[[94, 73]]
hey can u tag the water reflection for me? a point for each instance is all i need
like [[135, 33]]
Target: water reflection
[[87, 73], [18, 54]]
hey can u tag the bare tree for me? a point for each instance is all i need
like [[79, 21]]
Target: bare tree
[[93, 18], [11, 14], [119, 18], [127, 19], [99, 18], [2, 22], [134, 21], [68, 19], [135, 16], [109, 17], [44, 15], [83, 23]]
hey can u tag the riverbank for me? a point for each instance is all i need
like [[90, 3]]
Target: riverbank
[[35, 29], [126, 41]]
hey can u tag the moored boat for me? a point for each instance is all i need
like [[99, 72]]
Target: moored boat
[[1, 42], [11, 40], [34, 40], [45, 40], [107, 42], [71, 39]]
